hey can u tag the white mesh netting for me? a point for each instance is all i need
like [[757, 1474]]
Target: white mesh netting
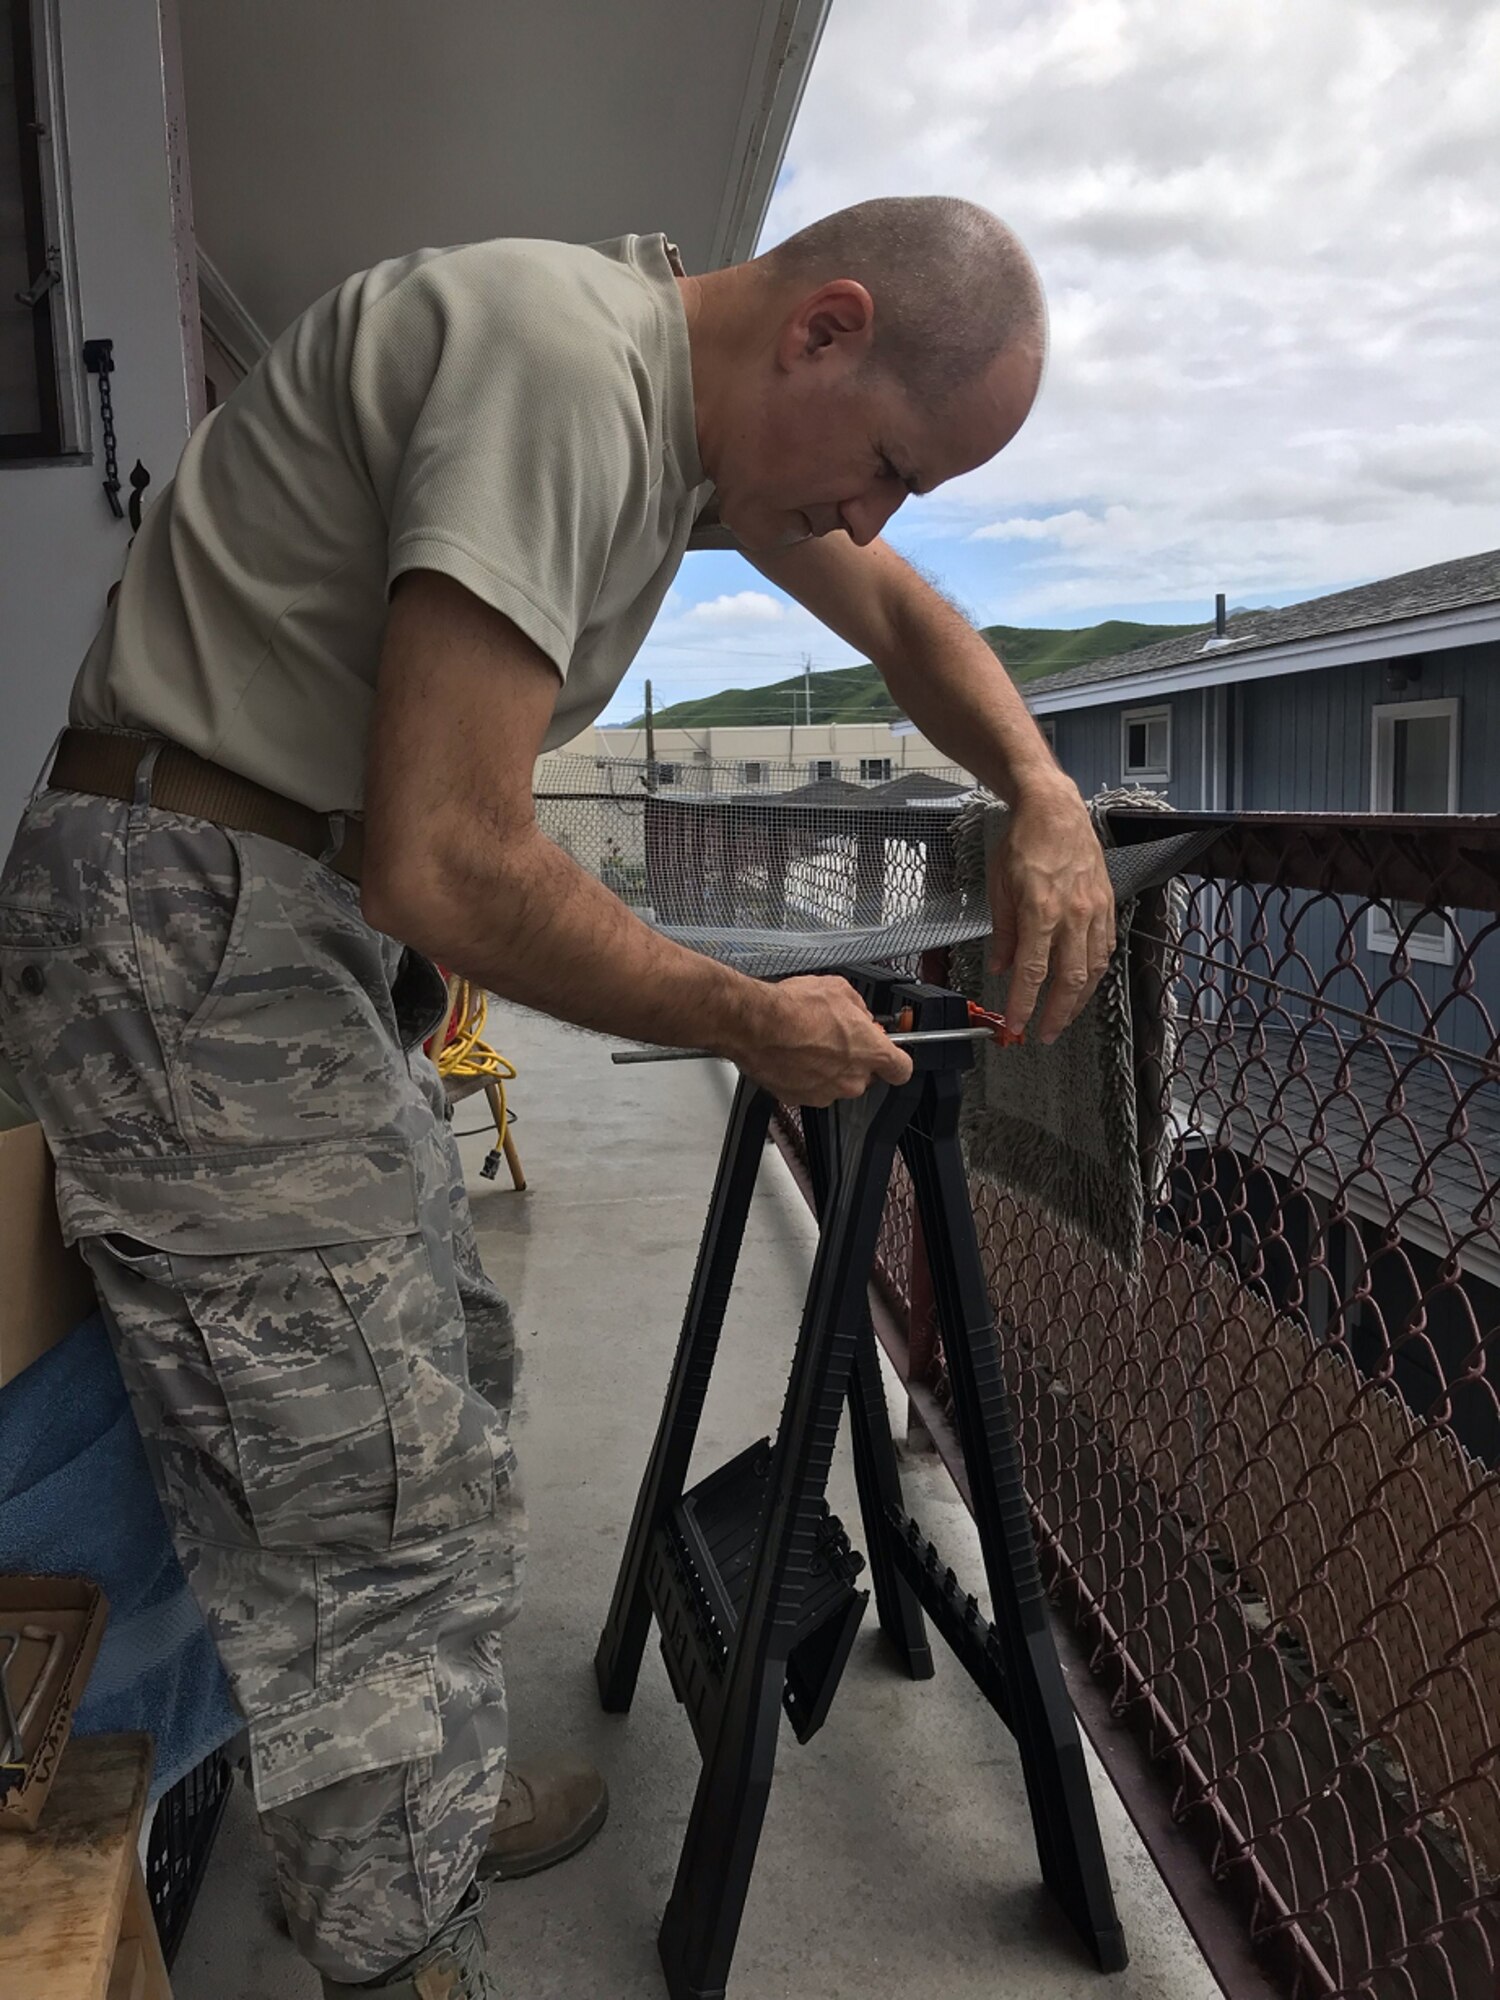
[[756, 864]]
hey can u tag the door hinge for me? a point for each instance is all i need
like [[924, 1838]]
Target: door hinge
[[46, 279]]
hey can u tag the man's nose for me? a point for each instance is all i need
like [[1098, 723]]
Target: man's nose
[[865, 516]]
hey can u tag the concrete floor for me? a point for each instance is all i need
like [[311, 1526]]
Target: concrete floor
[[897, 1856]]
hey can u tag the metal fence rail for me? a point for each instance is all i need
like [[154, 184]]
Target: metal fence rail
[[1266, 1475]]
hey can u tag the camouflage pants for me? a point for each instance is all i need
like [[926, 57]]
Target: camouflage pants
[[261, 1179]]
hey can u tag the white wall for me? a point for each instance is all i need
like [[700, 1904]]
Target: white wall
[[845, 741], [60, 548]]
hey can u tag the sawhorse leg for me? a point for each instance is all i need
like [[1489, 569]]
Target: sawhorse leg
[[702, 1919], [876, 1473], [617, 1663], [1041, 1713]]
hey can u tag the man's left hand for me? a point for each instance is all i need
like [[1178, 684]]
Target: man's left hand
[[1053, 907]]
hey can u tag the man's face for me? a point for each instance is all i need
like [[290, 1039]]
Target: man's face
[[832, 444]]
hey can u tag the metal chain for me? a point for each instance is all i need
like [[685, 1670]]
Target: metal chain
[[98, 359], [111, 460]]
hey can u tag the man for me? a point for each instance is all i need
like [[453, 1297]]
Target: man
[[418, 545]]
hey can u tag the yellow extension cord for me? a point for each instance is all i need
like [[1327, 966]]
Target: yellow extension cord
[[469, 1055]]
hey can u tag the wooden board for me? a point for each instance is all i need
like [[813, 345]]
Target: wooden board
[[64, 1888], [47, 1288], [138, 1936], [128, 1980]]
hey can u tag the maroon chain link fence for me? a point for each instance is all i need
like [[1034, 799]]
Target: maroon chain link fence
[[1265, 1475]]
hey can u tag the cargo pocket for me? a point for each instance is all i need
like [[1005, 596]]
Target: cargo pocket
[[37, 926], [306, 1277], [385, 1717], [56, 988], [188, 916], [295, 1040]]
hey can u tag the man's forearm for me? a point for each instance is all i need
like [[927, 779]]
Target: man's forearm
[[1050, 898], [940, 671], [520, 918], [456, 865], [945, 677]]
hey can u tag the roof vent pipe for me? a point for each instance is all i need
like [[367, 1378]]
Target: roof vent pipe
[[1219, 615]]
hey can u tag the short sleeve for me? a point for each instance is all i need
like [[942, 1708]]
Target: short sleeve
[[708, 531], [501, 421]]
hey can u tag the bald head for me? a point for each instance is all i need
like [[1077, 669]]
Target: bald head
[[873, 356], [953, 287]]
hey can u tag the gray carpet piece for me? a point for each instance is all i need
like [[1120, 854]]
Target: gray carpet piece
[[1081, 1128]]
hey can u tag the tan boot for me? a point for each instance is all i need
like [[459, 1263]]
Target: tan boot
[[549, 1808]]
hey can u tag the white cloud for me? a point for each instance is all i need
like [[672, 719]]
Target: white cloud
[[1072, 530], [739, 608], [759, 634], [741, 638], [1271, 241]]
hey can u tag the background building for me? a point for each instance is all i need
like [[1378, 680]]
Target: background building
[[865, 753]]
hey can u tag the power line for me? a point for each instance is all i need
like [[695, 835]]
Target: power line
[[762, 722], [777, 715], [733, 653]]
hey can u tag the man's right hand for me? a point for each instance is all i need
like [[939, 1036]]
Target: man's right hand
[[813, 1040]]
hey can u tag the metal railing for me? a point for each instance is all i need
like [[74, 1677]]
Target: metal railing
[[1265, 1474]]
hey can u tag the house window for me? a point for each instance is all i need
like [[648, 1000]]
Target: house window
[[1146, 744], [1414, 769], [753, 774], [875, 770], [42, 407], [1048, 726], [823, 767], [669, 774]]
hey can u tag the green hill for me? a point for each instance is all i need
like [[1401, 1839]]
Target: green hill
[[857, 694]]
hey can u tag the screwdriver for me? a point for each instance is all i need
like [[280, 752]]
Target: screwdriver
[[984, 1027]]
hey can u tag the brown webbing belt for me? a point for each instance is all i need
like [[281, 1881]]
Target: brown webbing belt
[[99, 761]]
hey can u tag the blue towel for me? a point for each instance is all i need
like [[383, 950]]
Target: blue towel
[[76, 1499]]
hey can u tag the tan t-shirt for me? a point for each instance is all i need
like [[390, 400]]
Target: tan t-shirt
[[516, 414]]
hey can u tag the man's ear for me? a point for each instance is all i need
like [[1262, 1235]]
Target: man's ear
[[836, 323]]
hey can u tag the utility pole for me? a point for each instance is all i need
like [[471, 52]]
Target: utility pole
[[807, 688], [650, 744]]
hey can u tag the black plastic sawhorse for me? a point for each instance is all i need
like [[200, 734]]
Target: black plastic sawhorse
[[751, 1578]]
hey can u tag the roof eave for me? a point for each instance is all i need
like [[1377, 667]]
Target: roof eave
[[790, 31], [1469, 625]]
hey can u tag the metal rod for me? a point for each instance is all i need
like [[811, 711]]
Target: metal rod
[[902, 1041], [15, 1750], [54, 1642], [1431, 1045]]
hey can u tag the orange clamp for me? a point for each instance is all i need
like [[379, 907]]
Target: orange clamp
[[979, 1017], [1005, 1035]]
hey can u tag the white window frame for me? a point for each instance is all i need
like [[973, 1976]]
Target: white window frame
[[1047, 724], [71, 392], [816, 775], [756, 765], [1145, 774], [1380, 933], [668, 771], [881, 775]]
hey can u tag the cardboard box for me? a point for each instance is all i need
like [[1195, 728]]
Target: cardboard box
[[45, 1289], [77, 1609]]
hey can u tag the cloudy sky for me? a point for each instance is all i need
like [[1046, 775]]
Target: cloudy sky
[[1270, 236]]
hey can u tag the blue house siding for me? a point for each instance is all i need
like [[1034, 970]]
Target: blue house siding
[[1307, 736], [1302, 743], [1089, 748], [1308, 748]]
